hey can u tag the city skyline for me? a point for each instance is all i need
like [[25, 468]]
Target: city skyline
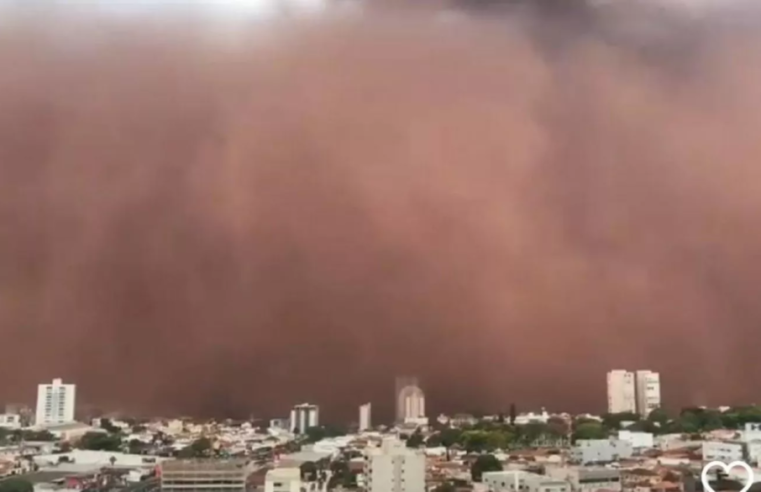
[[636, 401]]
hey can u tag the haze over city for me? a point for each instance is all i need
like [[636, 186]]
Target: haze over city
[[198, 223]]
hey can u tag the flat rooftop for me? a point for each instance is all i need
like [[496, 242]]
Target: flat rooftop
[[202, 465], [41, 476]]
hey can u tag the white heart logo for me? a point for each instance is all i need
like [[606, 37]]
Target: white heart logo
[[704, 474]]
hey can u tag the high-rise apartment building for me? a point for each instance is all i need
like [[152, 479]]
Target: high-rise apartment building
[[365, 417], [303, 417], [55, 403], [621, 392], [410, 399], [648, 392], [635, 392], [395, 468]]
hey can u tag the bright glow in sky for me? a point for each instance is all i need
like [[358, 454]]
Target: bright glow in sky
[[258, 8], [271, 7]]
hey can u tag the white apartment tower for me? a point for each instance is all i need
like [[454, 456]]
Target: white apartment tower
[[395, 468], [410, 400], [621, 392], [635, 392], [365, 417], [55, 403], [303, 417], [648, 392]]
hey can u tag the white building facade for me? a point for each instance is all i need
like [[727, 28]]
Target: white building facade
[[638, 440], [522, 481], [621, 392], [304, 416], [588, 479], [395, 468], [10, 420], [410, 401], [589, 451], [648, 392], [751, 432], [283, 480], [55, 403], [722, 451], [365, 417], [635, 392]]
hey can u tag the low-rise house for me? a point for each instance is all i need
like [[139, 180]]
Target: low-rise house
[[71, 431], [10, 421], [283, 480], [522, 481], [590, 451], [588, 479], [640, 441], [83, 461], [728, 451]]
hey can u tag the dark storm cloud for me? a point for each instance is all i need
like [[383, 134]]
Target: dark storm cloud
[[209, 224]]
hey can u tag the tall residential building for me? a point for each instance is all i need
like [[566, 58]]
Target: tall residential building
[[621, 392], [648, 388], [410, 399], [395, 468], [55, 403], [365, 417], [304, 416], [636, 392]]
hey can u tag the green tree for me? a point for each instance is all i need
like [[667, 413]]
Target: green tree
[[749, 415], [484, 463], [589, 430], [737, 417], [415, 440], [475, 441], [29, 435], [613, 421], [136, 446], [98, 441], [445, 487], [696, 420], [532, 431], [109, 426], [497, 440], [339, 468], [558, 427], [434, 440], [658, 416], [308, 471], [451, 436], [644, 426], [200, 448], [16, 485], [318, 433], [349, 481]]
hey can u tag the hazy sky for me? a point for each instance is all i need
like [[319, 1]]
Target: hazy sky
[[222, 228]]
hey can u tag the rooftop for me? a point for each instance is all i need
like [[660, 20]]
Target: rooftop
[[203, 464], [284, 474]]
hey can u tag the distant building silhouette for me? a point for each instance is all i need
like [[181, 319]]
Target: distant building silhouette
[[410, 399]]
